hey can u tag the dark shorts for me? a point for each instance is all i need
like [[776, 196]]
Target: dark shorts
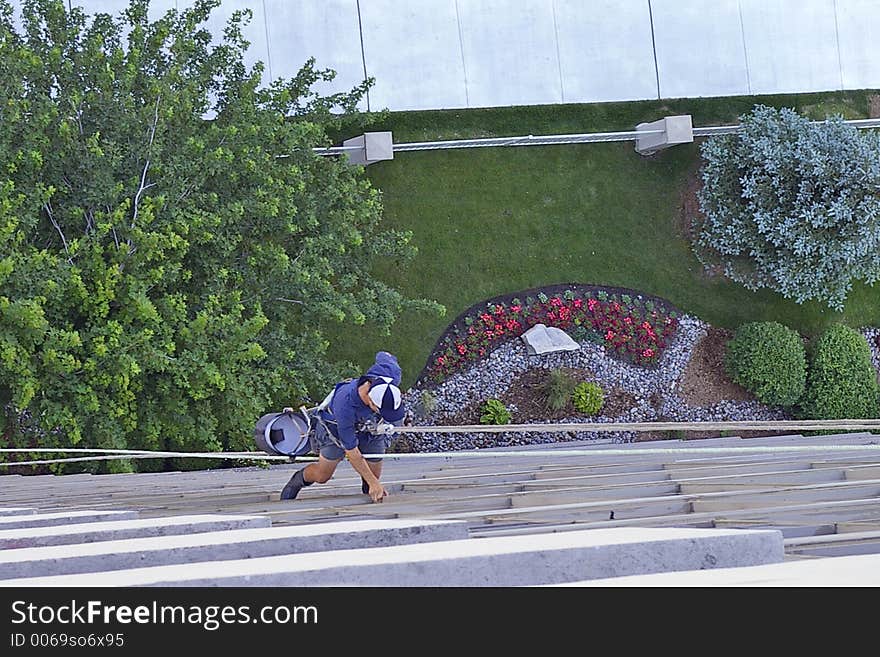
[[326, 444]]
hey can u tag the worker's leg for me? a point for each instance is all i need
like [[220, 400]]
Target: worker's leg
[[329, 456]]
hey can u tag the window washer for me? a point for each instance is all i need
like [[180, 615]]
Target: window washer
[[356, 420]]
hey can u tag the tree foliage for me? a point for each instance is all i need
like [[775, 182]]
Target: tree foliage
[[792, 206], [170, 244]]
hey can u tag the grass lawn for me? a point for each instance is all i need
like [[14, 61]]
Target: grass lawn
[[491, 221]]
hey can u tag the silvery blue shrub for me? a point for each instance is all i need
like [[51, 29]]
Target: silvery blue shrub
[[792, 205]]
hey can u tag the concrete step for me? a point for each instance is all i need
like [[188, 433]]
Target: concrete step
[[871, 523], [700, 485], [123, 529], [606, 494], [546, 483], [862, 472], [720, 501], [835, 545], [846, 571], [63, 518], [16, 511], [499, 561], [231, 544]]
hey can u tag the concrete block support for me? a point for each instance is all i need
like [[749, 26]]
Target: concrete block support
[[371, 147], [664, 133], [494, 561], [55, 519], [223, 545], [122, 529]]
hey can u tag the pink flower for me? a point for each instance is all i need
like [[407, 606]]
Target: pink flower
[[648, 353], [609, 336], [462, 349]]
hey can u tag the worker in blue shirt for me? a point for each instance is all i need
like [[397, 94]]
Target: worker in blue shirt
[[355, 420]]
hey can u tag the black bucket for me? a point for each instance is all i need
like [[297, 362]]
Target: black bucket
[[283, 434]]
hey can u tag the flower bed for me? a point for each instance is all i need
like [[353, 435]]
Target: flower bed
[[627, 324]]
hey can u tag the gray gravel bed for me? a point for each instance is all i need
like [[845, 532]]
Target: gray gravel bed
[[491, 377]]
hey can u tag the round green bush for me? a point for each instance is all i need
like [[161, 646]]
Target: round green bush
[[841, 382], [588, 398], [494, 412], [768, 360]]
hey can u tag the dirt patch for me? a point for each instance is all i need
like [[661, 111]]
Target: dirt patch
[[528, 392], [689, 205], [690, 216], [704, 381], [874, 106], [617, 402]]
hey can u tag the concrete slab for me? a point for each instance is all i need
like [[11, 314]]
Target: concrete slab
[[413, 51], [122, 529], [836, 572], [858, 33], [605, 50], [63, 518], [790, 47], [699, 48], [219, 546], [499, 561], [510, 57], [327, 30]]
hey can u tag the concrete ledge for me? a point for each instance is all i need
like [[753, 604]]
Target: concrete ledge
[[861, 570], [123, 529], [501, 561], [218, 546], [63, 518], [16, 511]]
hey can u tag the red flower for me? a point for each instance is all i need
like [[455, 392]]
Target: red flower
[[461, 349], [609, 336]]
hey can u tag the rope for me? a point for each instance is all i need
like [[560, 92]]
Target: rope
[[576, 427], [582, 427], [483, 453]]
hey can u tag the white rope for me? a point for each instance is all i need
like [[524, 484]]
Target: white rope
[[483, 453], [571, 427], [583, 427]]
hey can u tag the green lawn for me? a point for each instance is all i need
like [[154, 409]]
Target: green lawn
[[491, 221]]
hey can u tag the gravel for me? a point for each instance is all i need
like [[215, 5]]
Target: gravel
[[491, 377]]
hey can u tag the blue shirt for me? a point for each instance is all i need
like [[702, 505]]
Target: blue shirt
[[347, 410]]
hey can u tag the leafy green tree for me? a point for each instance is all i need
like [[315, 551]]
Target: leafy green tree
[[792, 206], [171, 246]]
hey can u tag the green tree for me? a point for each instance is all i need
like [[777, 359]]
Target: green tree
[[792, 206], [171, 247]]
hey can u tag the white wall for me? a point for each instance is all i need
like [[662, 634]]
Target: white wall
[[432, 54]]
